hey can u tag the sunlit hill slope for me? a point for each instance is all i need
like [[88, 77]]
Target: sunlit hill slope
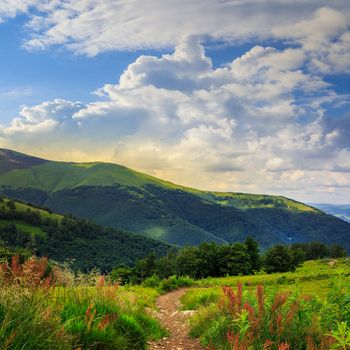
[[120, 197]]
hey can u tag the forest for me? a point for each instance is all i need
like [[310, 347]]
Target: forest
[[84, 244]]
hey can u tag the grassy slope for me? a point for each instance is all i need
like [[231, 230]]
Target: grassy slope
[[24, 226], [56, 176], [116, 196], [23, 207], [307, 306], [313, 278]]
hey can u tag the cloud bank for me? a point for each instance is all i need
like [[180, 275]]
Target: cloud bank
[[92, 26]]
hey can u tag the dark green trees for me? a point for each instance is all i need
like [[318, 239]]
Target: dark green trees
[[337, 251], [254, 255], [278, 259], [206, 260]]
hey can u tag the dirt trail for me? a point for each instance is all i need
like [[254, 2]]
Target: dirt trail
[[176, 322]]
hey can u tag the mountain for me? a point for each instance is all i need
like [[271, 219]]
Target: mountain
[[342, 211], [85, 244], [119, 197]]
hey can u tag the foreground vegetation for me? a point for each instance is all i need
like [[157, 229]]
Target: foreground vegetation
[[47, 306], [275, 320], [44, 307], [306, 309]]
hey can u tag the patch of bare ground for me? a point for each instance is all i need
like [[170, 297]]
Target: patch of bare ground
[[176, 322]]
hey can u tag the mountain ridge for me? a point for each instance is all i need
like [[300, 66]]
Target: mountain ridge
[[341, 211], [116, 196], [74, 167]]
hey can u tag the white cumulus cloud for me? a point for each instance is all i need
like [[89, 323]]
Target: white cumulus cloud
[[259, 123]]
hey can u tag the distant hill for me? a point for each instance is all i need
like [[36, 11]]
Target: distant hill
[[342, 211], [85, 244], [13, 160], [120, 197]]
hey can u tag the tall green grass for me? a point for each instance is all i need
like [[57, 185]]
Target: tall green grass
[[277, 320], [309, 271], [38, 312], [168, 284]]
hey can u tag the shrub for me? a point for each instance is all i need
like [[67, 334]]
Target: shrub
[[151, 282], [174, 282]]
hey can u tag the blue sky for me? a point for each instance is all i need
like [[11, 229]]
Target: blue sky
[[249, 96], [33, 77]]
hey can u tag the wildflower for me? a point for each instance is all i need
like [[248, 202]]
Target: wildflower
[[279, 301], [89, 316], [239, 295], [268, 344], [107, 320], [310, 345], [283, 346], [292, 310], [101, 281]]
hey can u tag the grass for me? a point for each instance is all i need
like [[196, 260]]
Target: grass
[[43, 307], [254, 201], [269, 318], [55, 176], [24, 227], [307, 309], [22, 207], [313, 278], [311, 270]]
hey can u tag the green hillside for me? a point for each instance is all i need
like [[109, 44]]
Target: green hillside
[[84, 244], [119, 197]]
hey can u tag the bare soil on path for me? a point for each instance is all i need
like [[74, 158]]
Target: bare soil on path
[[176, 322]]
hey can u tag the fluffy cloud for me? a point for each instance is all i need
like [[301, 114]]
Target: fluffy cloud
[[92, 26], [259, 123], [10, 8], [44, 117], [326, 38]]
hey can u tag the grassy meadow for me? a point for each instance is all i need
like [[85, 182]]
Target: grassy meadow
[[306, 309], [45, 306]]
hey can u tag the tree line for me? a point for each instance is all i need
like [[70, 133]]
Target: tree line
[[213, 260]]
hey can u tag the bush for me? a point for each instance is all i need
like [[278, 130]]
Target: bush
[[151, 282], [174, 282]]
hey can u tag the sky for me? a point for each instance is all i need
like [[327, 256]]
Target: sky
[[226, 95]]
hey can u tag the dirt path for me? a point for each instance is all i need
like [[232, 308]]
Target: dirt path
[[176, 322]]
